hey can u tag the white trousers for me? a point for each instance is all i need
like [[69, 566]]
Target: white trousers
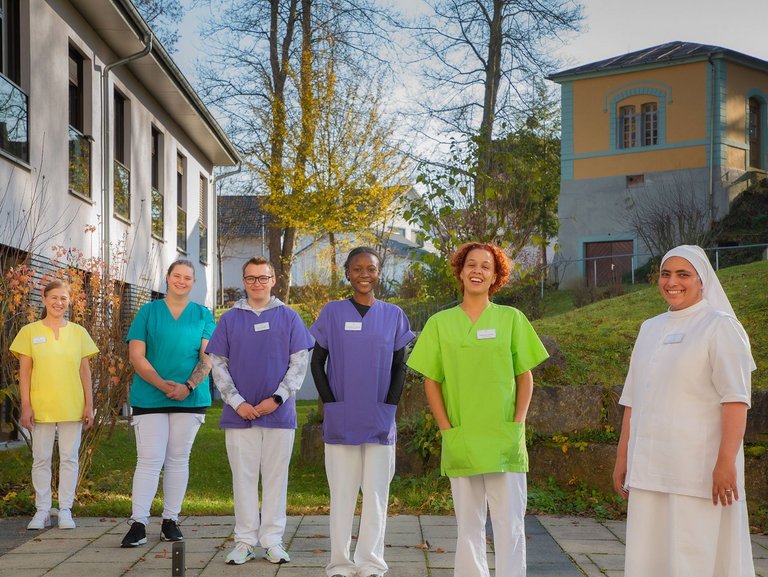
[[163, 442], [43, 436], [266, 452], [350, 469], [506, 495], [681, 536]]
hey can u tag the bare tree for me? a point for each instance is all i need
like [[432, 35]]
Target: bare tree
[[666, 216], [266, 65], [477, 54], [164, 17]]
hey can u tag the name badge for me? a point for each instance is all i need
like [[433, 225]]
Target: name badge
[[38, 340], [258, 327], [673, 339], [486, 334], [350, 326]]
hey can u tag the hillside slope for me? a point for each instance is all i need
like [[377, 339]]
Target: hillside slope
[[597, 339]]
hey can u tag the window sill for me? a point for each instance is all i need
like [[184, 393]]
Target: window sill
[[158, 238], [81, 196], [123, 219], [15, 159]]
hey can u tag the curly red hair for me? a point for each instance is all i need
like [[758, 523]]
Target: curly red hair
[[502, 268]]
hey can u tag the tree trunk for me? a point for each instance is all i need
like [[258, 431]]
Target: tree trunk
[[334, 264]]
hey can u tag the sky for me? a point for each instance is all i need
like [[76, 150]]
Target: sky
[[610, 28], [615, 27]]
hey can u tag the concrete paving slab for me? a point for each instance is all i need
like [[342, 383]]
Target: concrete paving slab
[[74, 569], [38, 561], [22, 572], [592, 546], [608, 562], [37, 545]]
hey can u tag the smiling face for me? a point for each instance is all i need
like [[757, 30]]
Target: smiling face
[[180, 280], [478, 273], [363, 273], [56, 302], [258, 293], [679, 283]]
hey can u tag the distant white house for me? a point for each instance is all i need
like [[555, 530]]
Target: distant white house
[[242, 231], [99, 130], [399, 242]]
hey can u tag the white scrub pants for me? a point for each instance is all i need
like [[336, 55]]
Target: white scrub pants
[[163, 442], [506, 495], [265, 451], [680, 536], [43, 436], [350, 469]]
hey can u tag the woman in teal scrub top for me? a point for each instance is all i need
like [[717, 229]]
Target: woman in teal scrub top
[[477, 359]]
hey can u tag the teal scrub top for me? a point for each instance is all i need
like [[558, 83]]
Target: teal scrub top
[[476, 364], [173, 349]]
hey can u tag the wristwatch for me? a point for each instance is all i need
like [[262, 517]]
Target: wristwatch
[[189, 387], [278, 399]]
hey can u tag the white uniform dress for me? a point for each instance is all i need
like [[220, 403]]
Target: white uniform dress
[[684, 365]]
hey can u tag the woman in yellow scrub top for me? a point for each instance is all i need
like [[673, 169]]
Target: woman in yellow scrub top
[[477, 359], [55, 390]]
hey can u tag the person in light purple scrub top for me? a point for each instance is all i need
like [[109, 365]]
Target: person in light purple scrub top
[[363, 341], [259, 352]]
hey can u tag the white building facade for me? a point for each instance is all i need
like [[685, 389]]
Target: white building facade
[[103, 142]]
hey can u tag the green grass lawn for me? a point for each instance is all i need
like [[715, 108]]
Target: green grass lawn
[[107, 490], [597, 339]]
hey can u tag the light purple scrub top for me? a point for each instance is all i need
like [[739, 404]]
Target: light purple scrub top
[[258, 360], [360, 351]]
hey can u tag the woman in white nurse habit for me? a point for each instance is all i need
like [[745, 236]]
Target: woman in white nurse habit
[[680, 459]]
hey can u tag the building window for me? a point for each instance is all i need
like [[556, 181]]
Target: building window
[[203, 220], [755, 136], [634, 180], [157, 195], [79, 144], [638, 129], [181, 205], [122, 175], [627, 127], [398, 230], [14, 104], [650, 123], [10, 40]]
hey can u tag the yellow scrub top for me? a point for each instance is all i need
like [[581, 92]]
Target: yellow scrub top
[[56, 392], [476, 364]]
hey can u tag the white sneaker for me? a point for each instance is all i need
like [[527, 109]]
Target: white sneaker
[[277, 554], [240, 554], [41, 520], [65, 519]]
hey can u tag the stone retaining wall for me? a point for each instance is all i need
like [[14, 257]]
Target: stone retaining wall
[[563, 411]]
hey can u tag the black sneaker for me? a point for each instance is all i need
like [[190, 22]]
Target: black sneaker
[[137, 535], [170, 531]]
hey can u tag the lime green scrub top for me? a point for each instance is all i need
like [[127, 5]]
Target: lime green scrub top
[[476, 364]]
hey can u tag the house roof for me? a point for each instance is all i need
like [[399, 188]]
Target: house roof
[[669, 53], [123, 29], [241, 215]]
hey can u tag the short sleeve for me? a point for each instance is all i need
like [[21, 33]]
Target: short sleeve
[[209, 324], [138, 329], [319, 329], [87, 347], [527, 348], [425, 357], [300, 337], [218, 344], [731, 360], [22, 345], [403, 334]]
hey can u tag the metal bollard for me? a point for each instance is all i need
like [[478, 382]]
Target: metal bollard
[[177, 559]]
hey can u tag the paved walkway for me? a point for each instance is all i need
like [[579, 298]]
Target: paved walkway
[[416, 547]]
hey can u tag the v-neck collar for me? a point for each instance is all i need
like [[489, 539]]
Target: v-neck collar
[[181, 314]]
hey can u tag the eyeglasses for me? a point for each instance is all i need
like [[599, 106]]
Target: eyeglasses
[[252, 279]]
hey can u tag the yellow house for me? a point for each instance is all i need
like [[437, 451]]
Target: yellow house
[[679, 121]]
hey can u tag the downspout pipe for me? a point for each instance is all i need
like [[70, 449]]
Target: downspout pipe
[[106, 144], [218, 269], [711, 160]]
